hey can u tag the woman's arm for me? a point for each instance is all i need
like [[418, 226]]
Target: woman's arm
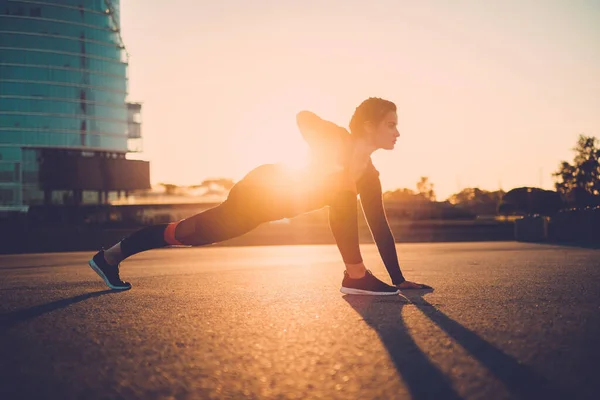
[[371, 198], [326, 140], [318, 132], [343, 221]]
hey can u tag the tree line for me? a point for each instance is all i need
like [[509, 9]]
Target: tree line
[[576, 183]]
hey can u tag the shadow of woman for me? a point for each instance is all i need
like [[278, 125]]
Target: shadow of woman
[[423, 378], [11, 318], [522, 381]]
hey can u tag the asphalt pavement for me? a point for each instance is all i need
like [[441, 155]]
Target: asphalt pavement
[[505, 320]]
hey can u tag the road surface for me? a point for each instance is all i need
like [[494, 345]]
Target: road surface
[[506, 320]]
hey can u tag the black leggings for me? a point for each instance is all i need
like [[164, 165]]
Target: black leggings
[[256, 199]]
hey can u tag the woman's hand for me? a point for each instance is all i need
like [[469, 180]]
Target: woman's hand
[[412, 285]]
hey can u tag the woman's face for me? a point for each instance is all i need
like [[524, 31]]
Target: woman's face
[[386, 132]]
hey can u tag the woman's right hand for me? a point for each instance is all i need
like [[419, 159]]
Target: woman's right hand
[[412, 285]]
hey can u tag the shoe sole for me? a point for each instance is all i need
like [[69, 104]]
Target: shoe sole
[[367, 292], [97, 270]]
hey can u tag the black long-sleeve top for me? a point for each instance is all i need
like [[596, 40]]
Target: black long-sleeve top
[[331, 147]]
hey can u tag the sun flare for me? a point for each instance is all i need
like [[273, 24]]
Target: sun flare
[[294, 159]]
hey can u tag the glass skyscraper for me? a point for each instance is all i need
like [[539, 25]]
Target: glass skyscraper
[[65, 125]]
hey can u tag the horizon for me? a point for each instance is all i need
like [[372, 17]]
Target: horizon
[[221, 84]]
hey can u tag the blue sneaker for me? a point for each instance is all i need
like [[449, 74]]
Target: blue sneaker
[[109, 273]]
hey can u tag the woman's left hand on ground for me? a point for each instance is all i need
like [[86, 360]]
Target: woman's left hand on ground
[[412, 285]]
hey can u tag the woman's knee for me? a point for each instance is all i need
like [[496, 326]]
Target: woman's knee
[[183, 229], [186, 231]]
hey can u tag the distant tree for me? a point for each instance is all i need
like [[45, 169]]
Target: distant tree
[[480, 202], [579, 182], [530, 200], [170, 189], [215, 186], [405, 195], [425, 189], [224, 183], [408, 204]]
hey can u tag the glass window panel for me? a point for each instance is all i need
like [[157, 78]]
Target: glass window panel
[[30, 176], [90, 197], [63, 107], [30, 155], [79, 15], [10, 153], [80, 77], [17, 24], [9, 172], [32, 195], [30, 166], [108, 126], [7, 196], [93, 5], [64, 92], [25, 56], [82, 16], [61, 139], [62, 197], [72, 45], [62, 123]]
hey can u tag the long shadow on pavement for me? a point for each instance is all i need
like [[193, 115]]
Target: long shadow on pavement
[[520, 380], [423, 378], [9, 319]]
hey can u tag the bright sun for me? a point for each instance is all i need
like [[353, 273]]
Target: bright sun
[[295, 158]]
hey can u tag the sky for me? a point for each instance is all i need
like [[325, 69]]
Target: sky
[[490, 94]]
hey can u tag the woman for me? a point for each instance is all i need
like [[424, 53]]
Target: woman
[[340, 169]]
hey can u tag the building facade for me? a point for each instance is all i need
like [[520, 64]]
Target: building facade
[[65, 124]]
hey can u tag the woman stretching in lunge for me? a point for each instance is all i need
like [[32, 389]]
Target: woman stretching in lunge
[[340, 169]]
